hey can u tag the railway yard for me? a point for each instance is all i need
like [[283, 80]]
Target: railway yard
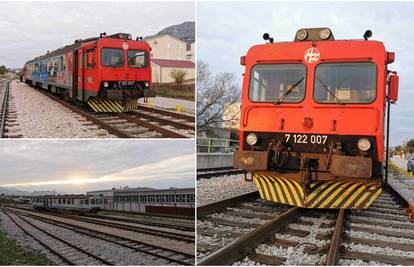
[[34, 113], [242, 229], [70, 239]]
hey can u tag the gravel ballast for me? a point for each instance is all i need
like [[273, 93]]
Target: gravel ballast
[[219, 188], [40, 117]]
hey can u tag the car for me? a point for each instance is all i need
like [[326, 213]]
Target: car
[[410, 163]]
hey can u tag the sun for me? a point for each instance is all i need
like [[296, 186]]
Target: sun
[[78, 180]]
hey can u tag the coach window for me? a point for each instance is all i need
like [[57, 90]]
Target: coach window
[[137, 59], [90, 58], [112, 57], [342, 83], [277, 83]]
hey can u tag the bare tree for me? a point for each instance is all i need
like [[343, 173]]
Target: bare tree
[[215, 94], [178, 76]]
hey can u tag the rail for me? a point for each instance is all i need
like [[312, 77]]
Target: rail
[[4, 109], [211, 145], [247, 243]]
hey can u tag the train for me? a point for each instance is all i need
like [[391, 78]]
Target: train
[[173, 201], [109, 73], [76, 203], [314, 119]]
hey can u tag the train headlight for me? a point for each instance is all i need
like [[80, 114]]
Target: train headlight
[[301, 35], [324, 34], [251, 139], [364, 144], [105, 84], [146, 84]]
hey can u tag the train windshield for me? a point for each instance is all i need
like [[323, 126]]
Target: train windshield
[[277, 83], [137, 59], [112, 57], [345, 83]]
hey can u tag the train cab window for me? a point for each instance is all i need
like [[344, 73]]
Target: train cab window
[[278, 83], [112, 57], [341, 83], [90, 58], [137, 59]]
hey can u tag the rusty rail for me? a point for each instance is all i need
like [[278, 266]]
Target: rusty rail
[[4, 109], [247, 243], [109, 128], [333, 256], [168, 113], [163, 121], [207, 209], [163, 131]]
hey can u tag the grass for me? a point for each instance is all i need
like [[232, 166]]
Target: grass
[[12, 254], [176, 93]]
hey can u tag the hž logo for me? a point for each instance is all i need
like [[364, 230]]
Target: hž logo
[[125, 46], [312, 55]]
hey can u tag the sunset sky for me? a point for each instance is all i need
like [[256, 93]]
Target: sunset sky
[[77, 166]]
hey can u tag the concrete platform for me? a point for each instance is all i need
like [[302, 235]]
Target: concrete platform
[[214, 160]]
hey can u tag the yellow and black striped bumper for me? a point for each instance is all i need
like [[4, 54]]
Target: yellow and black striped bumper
[[322, 194], [107, 105]]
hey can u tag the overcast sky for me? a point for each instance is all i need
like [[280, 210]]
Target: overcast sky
[[225, 31], [29, 29], [76, 166]]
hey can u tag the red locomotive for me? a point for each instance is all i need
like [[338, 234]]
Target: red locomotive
[[312, 119], [109, 73]]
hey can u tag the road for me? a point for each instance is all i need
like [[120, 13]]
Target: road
[[171, 103]]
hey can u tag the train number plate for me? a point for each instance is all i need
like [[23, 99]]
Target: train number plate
[[126, 82], [316, 139]]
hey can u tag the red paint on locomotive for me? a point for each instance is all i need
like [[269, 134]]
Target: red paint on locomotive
[[308, 124]]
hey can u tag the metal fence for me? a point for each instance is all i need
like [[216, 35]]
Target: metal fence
[[212, 145]]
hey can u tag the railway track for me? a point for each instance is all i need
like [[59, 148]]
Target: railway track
[[67, 252], [146, 222], [171, 255], [381, 234], [216, 172], [136, 124], [8, 113], [135, 228]]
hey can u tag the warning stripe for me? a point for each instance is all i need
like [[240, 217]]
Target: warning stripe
[[323, 194], [105, 105]]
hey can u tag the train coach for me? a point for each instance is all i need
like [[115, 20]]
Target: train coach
[[313, 119], [108, 73], [178, 201], [67, 203]]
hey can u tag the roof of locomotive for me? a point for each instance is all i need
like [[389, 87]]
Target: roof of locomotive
[[351, 47], [77, 44]]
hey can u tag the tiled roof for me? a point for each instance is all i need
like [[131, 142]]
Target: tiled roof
[[173, 63]]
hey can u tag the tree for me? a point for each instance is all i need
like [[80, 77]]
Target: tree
[[215, 94], [3, 69], [178, 76], [410, 146]]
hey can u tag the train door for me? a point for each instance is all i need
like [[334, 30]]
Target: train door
[[91, 85], [75, 75], [81, 87]]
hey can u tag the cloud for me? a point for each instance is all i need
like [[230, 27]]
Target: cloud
[[235, 26], [29, 29], [81, 165]]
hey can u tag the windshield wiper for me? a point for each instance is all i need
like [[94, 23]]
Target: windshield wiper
[[281, 98], [330, 92]]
